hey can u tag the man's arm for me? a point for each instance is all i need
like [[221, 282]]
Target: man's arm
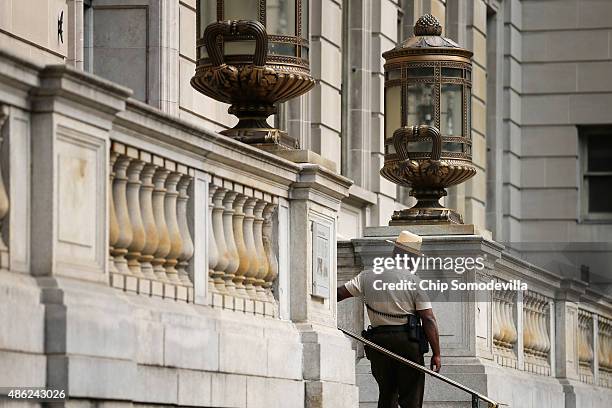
[[342, 293], [430, 327]]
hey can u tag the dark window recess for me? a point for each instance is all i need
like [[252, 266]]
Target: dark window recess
[[600, 194], [598, 168], [600, 153]]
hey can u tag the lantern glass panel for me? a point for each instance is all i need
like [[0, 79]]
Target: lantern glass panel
[[393, 110], [421, 146], [280, 17], [420, 72], [239, 47], [450, 110], [452, 147], [208, 14], [468, 112], [304, 22], [420, 106], [279, 48], [240, 10], [452, 72]]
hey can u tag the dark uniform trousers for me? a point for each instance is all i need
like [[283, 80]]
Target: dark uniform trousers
[[397, 383]]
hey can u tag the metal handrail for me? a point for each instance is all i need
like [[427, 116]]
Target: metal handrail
[[476, 396]]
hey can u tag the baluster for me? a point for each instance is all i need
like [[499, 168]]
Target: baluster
[[497, 324], [527, 330], [544, 326], [217, 221], [4, 199], [269, 249], [230, 242], [238, 228], [249, 241], [213, 253], [510, 312], [113, 226], [133, 204], [181, 212], [262, 258], [148, 221], [176, 242], [121, 210], [163, 246]]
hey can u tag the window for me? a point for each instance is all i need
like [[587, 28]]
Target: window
[[596, 161]]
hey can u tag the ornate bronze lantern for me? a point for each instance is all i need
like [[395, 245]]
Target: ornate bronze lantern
[[427, 121], [253, 54]]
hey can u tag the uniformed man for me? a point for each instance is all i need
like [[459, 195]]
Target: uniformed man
[[394, 316]]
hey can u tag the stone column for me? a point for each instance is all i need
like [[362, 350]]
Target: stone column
[[4, 203], [268, 244], [238, 227], [133, 204], [123, 220], [328, 359], [213, 253], [230, 241], [181, 212], [113, 225], [262, 259], [163, 246], [174, 232], [249, 240], [217, 222], [148, 221]]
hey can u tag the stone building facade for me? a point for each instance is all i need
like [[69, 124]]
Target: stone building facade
[[108, 151]]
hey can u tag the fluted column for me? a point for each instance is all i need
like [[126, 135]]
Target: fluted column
[[174, 233], [213, 253], [181, 213], [148, 220], [163, 247], [269, 249], [262, 258], [217, 221], [121, 210], [113, 226], [249, 240], [133, 204], [237, 224]]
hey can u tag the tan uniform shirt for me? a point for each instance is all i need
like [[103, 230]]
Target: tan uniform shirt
[[369, 286]]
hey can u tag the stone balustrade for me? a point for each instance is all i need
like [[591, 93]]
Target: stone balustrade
[[243, 262], [149, 238], [604, 352], [536, 336], [504, 327]]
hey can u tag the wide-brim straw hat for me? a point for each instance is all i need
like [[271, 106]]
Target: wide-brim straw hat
[[408, 242]]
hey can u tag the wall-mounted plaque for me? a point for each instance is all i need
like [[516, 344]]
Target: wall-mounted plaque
[[321, 259]]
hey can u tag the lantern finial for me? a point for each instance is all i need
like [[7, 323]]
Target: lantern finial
[[427, 25]]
